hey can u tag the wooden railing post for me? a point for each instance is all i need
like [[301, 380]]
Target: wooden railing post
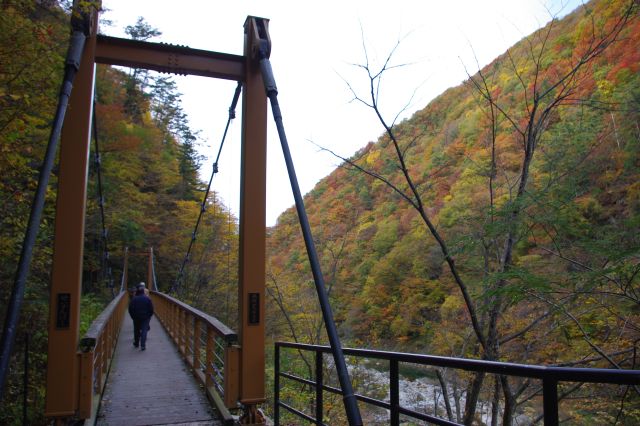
[[209, 358], [174, 322], [98, 362], [85, 401], [181, 334], [188, 336], [176, 319], [192, 337], [168, 319], [187, 342], [196, 344], [178, 338], [231, 376]]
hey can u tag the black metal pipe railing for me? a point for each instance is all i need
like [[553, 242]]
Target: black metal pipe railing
[[550, 376], [319, 384], [25, 382]]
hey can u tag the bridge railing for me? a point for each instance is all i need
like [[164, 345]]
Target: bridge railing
[[96, 353], [550, 377], [208, 346]]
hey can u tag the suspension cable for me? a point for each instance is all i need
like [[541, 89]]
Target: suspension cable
[[349, 399], [232, 115], [125, 266], [98, 164], [153, 271], [72, 65]]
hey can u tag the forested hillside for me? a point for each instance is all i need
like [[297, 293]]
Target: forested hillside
[[500, 222], [151, 188]]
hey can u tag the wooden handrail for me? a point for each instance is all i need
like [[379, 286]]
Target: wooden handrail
[[95, 352], [88, 341], [222, 330]]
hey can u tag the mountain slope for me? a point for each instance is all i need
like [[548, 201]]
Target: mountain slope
[[574, 236]]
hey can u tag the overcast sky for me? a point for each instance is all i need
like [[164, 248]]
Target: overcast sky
[[314, 45]]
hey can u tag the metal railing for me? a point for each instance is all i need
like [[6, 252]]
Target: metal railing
[[96, 352], [550, 377], [208, 346]]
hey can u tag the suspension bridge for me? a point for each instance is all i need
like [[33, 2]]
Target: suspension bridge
[[199, 371]]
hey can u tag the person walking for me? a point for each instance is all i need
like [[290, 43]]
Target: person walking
[[141, 311]]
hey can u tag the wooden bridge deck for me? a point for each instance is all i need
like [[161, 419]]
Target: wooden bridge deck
[[152, 387]]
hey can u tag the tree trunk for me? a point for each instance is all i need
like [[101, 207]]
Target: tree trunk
[[509, 402], [445, 394], [495, 405], [456, 399], [472, 398]]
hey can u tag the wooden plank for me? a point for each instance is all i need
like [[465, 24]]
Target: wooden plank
[[152, 386]]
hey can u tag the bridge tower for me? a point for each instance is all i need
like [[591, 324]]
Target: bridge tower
[[64, 359]]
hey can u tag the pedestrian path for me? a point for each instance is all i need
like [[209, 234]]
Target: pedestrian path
[[152, 387]]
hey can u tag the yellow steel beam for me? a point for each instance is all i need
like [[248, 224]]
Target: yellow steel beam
[[169, 58], [66, 280], [252, 228]]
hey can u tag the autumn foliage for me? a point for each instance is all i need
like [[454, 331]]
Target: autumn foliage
[[151, 189], [528, 173]]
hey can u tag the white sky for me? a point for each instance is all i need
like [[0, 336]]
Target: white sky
[[313, 47]]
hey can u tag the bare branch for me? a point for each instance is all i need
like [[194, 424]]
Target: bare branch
[[525, 329], [368, 173]]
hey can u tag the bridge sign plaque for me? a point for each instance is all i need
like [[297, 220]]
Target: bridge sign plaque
[[63, 310], [254, 308]]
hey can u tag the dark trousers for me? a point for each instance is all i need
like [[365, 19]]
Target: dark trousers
[[140, 328]]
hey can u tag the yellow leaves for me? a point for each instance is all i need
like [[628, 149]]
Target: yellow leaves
[[451, 306], [528, 260], [372, 157], [501, 200], [13, 96], [633, 194], [605, 87], [590, 207], [400, 326]]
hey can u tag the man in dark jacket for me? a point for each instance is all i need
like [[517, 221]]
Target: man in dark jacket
[[141, 311]]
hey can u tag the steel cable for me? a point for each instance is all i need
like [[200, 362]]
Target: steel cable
[[125, 265], [153, 271], [349, 399], [72, 64], [232, 115], [98, 167]]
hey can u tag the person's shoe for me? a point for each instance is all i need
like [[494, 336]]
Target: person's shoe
[[135, 345], [143, 348]]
